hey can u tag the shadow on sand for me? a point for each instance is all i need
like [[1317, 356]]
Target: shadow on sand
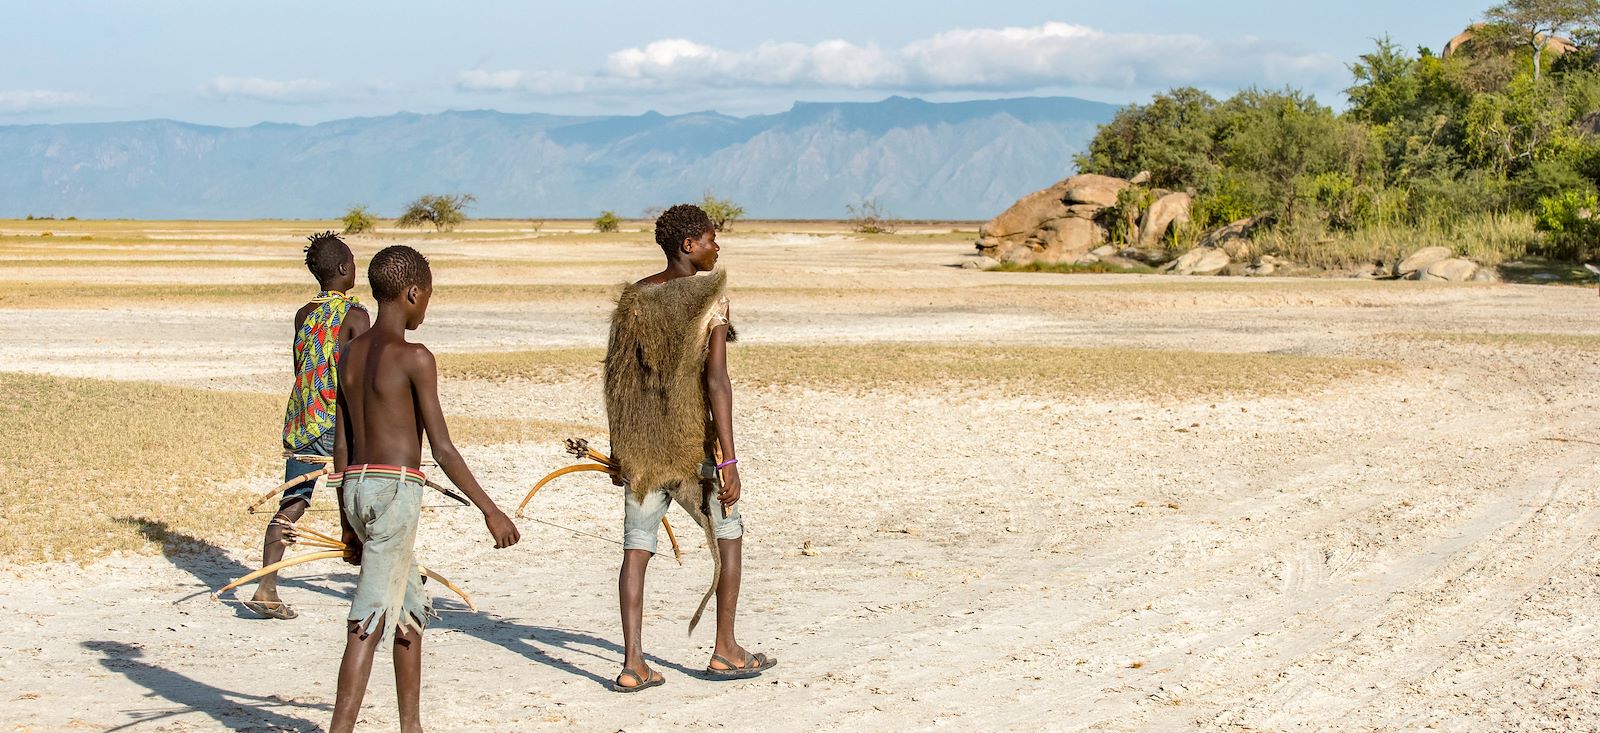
[[544, 645], [233, 710], [214, 569]]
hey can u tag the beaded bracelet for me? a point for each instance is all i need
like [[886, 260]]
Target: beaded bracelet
[[727, 463]]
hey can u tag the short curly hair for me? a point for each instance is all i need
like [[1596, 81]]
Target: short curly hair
[[684, 221], [393, 269], [325, 254]]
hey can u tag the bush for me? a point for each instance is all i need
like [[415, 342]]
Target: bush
[[723, 212], [868, 217], [443, 212], [607, 221], [357, 220]]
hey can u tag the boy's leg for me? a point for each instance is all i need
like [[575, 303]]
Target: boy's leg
[[640, 520], [354, 670], [729, 530], [630, 591], [728, 598], [273, 548], [408, 677]]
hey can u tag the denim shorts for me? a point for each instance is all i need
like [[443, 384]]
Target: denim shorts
[[641, 521], [293, 469], [383, 504]]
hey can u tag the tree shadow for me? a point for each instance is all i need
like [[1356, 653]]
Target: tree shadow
[[234, 710], [213, 568], [536, 643]]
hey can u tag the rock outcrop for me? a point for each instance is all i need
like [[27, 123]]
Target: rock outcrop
[[1167, 212], [1420, 260], [1056, 224]]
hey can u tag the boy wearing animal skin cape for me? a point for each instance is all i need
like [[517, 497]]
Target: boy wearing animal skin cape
[[669, 403]]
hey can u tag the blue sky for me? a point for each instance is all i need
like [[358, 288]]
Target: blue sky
[[238, 63]]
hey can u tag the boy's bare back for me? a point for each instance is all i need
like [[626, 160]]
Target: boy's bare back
[[378, 382]]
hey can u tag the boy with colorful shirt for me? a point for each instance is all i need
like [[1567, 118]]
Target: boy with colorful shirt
[[321, 328]]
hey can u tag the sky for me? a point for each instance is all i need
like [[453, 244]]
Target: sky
[[237, 63]]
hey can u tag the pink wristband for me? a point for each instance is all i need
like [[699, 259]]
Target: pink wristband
[[727, 463]]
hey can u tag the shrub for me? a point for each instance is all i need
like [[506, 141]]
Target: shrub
[[357, 220], [723, 212], [443, 212], [868, 217], [607, 221]]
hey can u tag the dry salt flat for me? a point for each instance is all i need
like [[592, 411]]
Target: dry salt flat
[[1408, 545]]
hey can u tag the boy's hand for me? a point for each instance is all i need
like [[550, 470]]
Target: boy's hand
[[616, 478], [352, 547], [502, 529], [730, 486]]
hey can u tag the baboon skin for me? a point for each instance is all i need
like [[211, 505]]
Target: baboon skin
[[655, 395]]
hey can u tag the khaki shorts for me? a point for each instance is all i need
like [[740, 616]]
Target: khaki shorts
[[641, 521], [383, 504]]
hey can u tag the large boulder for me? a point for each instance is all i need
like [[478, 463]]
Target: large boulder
[[1420, 259], [1200, 261], [1455, 269], [1232, 238], [1089, 188], [1027, 214], [1169, 210], [1069, 239]]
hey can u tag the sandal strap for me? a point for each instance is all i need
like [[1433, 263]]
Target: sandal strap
[[630, 673], [752, 661]]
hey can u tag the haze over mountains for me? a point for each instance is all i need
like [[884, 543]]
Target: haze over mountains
[[962, 160]]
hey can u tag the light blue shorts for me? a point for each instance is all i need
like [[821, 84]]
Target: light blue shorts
[[641, 521]]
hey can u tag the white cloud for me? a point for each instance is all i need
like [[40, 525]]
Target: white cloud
[[1049, 56], [38, 100], [294, 91]]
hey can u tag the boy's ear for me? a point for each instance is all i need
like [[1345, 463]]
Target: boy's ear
[[688, 244], [411, 294]]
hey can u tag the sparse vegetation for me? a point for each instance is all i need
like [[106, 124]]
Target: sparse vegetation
[[607, 221], [443, 212], [1038, 370], [1478, 141], [1069, 267], [723, 212], [868, 217], [357, 219]]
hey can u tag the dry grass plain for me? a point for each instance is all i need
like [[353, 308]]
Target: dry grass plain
[[1030, 501]]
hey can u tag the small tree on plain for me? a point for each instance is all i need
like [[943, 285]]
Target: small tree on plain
[[443, 212], [869, 217], [1540, 20], [358, 219], [607, 221], [724, 212]]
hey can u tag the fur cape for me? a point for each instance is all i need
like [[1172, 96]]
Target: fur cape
[[655, 395]]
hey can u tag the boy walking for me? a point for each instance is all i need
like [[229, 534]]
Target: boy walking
[[388, 399], [669, 403], [321, 329]]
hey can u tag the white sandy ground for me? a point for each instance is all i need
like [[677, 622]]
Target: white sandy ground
[[1402, 552]]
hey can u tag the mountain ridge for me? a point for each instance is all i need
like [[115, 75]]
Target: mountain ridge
[[921, 159]]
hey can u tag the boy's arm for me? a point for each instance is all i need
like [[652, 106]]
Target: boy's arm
[[356, 322], [719, 392], [425, 388], [341, 460]]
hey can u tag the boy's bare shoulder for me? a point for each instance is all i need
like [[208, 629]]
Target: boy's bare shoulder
[[417, 356]]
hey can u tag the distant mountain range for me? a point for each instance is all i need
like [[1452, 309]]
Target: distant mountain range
[[961, 160]]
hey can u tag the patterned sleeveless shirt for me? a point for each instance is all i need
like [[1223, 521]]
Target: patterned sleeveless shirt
[[316, 351]]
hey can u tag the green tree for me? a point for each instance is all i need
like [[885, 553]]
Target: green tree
[[723, 212], [1540, 20], [1386, 84], [607, 221], [443, 212], [358, 219], [1172, 137]]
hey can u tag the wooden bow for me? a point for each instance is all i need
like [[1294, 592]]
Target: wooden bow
[[603, 463], [326, 469], [331, 548]]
